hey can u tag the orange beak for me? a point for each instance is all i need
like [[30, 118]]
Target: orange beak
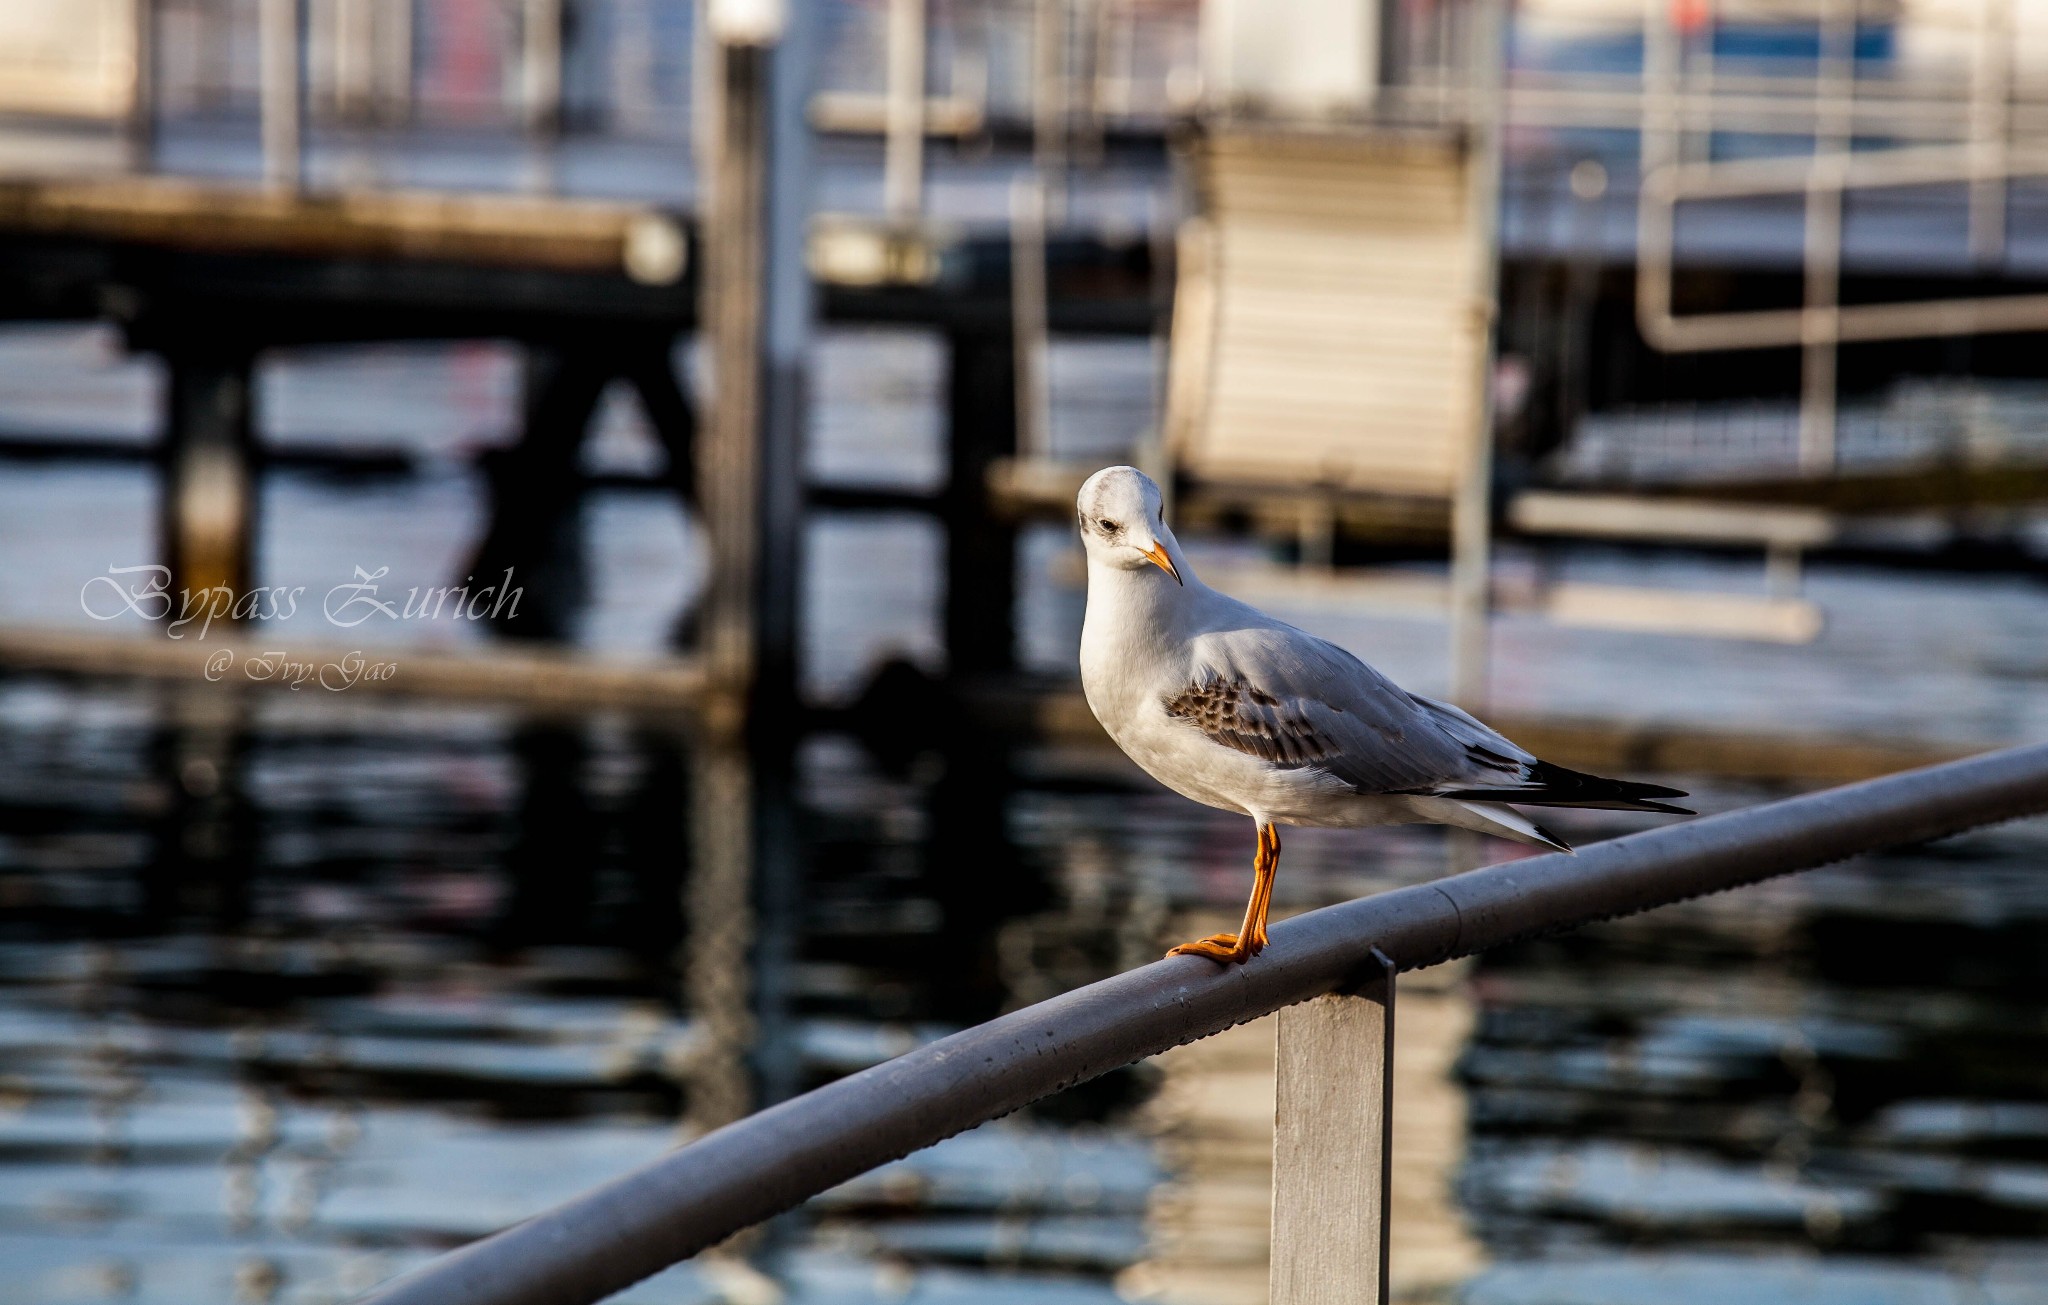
[[1158, 558]]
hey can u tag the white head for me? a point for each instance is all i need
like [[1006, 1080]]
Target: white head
[[1122, 522]]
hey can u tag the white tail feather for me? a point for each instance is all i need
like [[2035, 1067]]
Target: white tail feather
[[1489, 818]]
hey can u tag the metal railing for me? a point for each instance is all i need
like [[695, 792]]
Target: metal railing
[[1330, 1144]]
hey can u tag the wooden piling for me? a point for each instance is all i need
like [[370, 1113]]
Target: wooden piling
[[535, 529], [981, 547], [756, 314], [745, 892], [1332, 1146], [207, 512], [666, 400]]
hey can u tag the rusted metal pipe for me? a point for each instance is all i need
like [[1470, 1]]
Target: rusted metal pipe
[[748, 1171]]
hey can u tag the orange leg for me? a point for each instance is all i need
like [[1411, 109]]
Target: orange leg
[[1250, 939]]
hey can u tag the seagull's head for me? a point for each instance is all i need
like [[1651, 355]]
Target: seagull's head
[[1123, 522]]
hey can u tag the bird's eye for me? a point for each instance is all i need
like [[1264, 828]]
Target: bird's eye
[[1108, 526]]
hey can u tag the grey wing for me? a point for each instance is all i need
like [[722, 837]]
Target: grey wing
[[1485, 747], [1298, 701]]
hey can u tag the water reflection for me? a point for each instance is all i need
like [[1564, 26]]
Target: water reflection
[[294, 993], [1829, 1088], [297, 990]]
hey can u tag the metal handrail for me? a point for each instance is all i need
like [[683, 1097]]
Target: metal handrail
[[755, 1168]]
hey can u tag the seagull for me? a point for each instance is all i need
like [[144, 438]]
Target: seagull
[[1223, 704]]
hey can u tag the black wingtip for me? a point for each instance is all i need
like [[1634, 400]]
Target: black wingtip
[[1652, 790], [1552, 785], [1665, 808]]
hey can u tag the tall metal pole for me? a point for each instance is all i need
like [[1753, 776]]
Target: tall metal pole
[[1820, 328], [1472, 507], [393, 35], [352, 36], [540, 65], [903, 149], [1049, 101], [540, 76], [1990, 130], [1028, 314], [142, 88], [279, 33]]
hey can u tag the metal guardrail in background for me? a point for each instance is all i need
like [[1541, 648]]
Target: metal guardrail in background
[[751, 1170]]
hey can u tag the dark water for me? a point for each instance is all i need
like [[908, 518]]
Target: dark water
[[294, 992], [1833, 1087], [298, 989], [297, 994]]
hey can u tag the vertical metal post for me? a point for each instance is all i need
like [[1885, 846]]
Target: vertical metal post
[[903, 149], [1660, 131], [1781, 570], [280, 35], [1028, 314], [1472, 506], [1700, 73], [1049, 94], [352, 79], [142, 88], [1333, 1078], [540, 84], [1083, 52], [540, 65], [393, 35], [1821, 319], [1116, 59], [208, 509], [1990, 123]]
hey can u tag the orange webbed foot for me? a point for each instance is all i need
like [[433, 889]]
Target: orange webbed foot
[[1223, 948]]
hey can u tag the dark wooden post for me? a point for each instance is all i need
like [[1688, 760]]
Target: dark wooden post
[[536, 495], [981, 551], [208, 508], [204, 859], [743, 900], [757, 310], [652, 370]]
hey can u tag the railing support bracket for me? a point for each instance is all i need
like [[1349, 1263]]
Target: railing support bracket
[[1333, 1134]]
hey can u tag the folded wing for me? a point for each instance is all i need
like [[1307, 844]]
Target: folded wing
[[1296, 701]]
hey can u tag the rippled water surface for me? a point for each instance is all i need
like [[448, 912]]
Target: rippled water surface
[[297, 989]]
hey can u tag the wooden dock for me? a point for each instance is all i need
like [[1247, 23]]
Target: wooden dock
[[209, 275], [549, 681], [640, 241]]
